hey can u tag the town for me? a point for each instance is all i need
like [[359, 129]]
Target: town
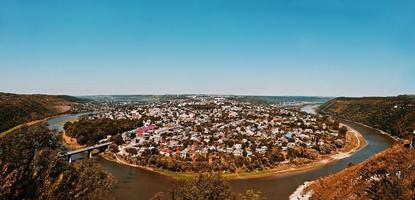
[[204, 133]]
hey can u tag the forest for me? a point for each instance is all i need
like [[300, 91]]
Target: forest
[[31, 169], [395, 115], [91, 131]]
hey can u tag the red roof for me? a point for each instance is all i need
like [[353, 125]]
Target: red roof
[[166, 150], [142, 130]]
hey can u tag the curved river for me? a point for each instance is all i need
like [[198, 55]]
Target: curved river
[[137, 184]]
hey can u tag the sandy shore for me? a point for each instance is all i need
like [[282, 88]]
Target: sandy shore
[[70, 142], [299, 192]]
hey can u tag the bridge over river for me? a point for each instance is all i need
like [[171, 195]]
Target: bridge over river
[[89, 150]]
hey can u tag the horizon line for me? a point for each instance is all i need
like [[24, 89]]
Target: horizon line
[[206, 94]]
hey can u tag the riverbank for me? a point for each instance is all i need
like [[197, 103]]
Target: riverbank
[[397, 139], [2, 134], [306, 190], [354, 142], [70, 142], [396, 162], [133, 180], [301, 194]]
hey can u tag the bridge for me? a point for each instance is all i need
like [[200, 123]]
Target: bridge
[[100, 147]]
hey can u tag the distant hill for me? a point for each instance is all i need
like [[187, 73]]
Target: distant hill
[[134, 98], [284, 99], [387, 175], [254, 99], [395, 115], [17, 109]]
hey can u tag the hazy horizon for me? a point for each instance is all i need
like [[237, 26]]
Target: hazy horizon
[[268, 48], [197, 94]]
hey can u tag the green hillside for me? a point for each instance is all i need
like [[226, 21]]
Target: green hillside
[[17, 109], [395, 115]]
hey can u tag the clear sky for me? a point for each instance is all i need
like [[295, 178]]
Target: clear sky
[[258, 47]]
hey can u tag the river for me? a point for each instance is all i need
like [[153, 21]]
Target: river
[[311, 108], [137, 184]]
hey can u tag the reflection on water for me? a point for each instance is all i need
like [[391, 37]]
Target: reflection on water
[[57, 123], [137, 184]]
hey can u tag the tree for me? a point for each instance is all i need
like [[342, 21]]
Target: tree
[[232, 167], [31, 169], [342, 132], [82, 140], [206, 186], [117, 139], [131, 151], [251, 195], [277, 157], [97, 129], [114, 148], [244, 153], [293, 153]]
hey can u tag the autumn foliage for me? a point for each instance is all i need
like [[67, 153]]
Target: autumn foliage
[[31, 169]]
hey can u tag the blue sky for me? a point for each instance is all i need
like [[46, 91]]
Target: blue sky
[[258, 47]]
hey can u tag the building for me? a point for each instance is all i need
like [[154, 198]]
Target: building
[[183, 154], [140, 131]]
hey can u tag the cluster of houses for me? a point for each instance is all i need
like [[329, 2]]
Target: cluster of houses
[[185, 128]]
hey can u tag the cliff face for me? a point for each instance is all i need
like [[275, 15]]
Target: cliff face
[[30, 169], [387, 175], [17, 109], [395, 115]]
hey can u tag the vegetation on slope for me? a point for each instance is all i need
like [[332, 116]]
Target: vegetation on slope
[[388, 175], [18, 109], [30, 169], [395, 115]]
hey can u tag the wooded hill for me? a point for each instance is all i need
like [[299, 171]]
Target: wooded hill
[[395, 115], [387, 175], [16, 109], [31, 169]]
